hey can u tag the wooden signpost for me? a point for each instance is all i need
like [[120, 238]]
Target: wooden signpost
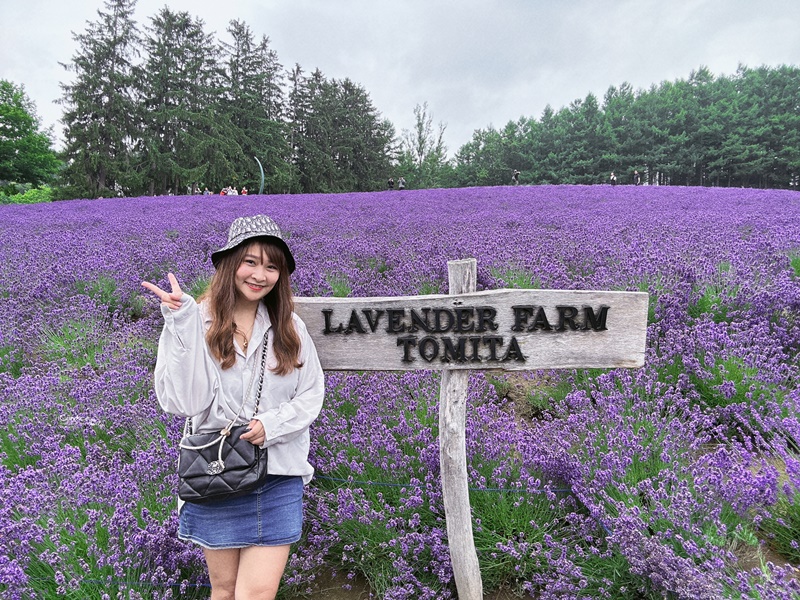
[[466, 330]]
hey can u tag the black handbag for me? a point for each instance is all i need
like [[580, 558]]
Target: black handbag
[[217, 465]]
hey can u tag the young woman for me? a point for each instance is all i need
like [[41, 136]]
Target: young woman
[[208, 355]]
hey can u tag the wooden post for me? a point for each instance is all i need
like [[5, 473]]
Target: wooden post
[[462, 276]]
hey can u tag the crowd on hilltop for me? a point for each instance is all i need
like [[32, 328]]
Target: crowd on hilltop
[[229, 191], [194, 190]]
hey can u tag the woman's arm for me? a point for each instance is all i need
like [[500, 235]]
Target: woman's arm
[[186, 380]]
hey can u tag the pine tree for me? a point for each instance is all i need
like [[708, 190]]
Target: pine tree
[[255, 108], [99, 116], [313, 170], [185, 137], [360, 139]]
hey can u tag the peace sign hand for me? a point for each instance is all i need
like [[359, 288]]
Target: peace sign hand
[[170, 299]]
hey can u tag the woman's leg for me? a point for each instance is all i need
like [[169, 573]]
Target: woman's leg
[[260, 571], [223, 567]]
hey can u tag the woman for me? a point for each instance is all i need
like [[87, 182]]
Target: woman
[[207, 353]]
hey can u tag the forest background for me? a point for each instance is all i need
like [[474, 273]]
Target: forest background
[[156, 110]]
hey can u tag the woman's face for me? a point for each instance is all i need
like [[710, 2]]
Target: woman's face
[[256, 275]]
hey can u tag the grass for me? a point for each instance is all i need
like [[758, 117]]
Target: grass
[[11, 361], [782, 527], [794, 261], [516, 520], [199, 286], [516, 278], [428, 288], [102, 290], [76, 342], [716, 298], [340, 286]]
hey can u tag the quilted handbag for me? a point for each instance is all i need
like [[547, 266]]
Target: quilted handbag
[[218, 465], [213, 466]]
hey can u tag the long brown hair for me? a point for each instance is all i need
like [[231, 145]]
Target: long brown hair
[[221, 296]]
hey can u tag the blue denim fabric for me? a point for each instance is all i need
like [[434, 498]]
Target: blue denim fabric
[[272, 515]]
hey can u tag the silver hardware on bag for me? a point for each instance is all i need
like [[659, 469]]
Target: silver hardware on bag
[[216, 467]]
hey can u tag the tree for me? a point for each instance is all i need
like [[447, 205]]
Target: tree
[[424, 150], [313, 169], [185, 134], [339, 140], [26, 154], [360, 138], [480, 162], [100, 109], [255, 107]]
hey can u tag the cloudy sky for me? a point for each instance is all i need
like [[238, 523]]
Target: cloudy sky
[[476, 63]]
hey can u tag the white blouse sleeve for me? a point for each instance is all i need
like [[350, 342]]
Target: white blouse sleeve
[[186, 380], [293, 416]]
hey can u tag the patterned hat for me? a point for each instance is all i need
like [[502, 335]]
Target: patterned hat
[[248, 228]]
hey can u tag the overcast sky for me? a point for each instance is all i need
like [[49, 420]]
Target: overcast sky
[[476, 63]]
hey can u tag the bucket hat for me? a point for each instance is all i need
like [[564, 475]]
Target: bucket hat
[[248, 228]]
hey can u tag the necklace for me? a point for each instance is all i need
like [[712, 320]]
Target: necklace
[[246, 336]]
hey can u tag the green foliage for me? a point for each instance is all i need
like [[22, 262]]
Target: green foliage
[[427, 288], [500, 384], [510, 518], [30, 196], [516, 278], [26, 154], [199, 286], [76, 342], [782, 527], [11, 360], [423, 158], [102, 290], [340, 142], [254, 108], [794, 261], [100, 113], [704, 130], [340, 286]]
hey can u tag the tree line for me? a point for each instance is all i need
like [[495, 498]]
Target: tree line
[[158, 109], [739, 130]]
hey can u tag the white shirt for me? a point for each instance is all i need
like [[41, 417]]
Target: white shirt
[[190, 382]]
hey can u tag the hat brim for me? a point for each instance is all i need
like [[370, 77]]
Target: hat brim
[[233, 244]]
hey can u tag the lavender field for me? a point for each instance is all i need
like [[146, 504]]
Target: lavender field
[[678, 480]]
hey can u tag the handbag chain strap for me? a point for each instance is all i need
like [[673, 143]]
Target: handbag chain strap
[[225, 431]]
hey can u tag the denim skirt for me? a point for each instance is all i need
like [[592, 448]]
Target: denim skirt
[[271, 515]]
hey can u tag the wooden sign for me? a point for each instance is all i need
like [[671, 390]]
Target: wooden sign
[[505, 329], [467, 330]]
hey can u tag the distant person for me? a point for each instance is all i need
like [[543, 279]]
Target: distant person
[[206, 192], [244, 191], [390, 183], [223, 192], [515, 178], [401, 183], [612, 179], [637, 180], [232, 191]]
